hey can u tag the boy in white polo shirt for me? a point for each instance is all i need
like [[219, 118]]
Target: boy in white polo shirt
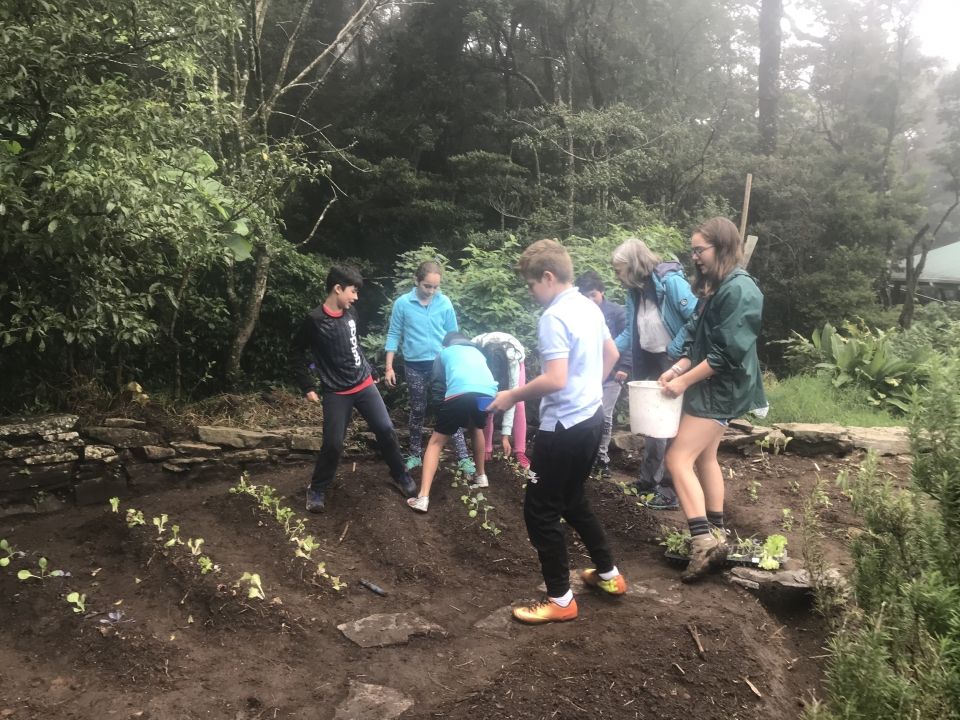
[[577, 353]]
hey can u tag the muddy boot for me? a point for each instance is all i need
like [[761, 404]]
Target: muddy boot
[[707, 554]]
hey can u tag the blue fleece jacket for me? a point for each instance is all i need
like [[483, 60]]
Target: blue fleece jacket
[[677, 304], [418, 330]]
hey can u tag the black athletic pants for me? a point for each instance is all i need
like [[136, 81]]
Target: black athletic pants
[[562, 460]]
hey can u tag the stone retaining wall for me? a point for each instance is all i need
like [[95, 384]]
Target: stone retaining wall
[[47, 463]]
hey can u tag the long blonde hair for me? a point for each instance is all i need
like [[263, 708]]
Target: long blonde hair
[[638, 260], [724, 237]]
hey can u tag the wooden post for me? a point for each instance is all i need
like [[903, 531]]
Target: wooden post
[[746, 206], [748, 246]]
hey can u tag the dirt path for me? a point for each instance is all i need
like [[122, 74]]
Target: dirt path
[[190, 646]]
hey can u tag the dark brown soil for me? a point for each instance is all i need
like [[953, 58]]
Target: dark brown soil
[[194, 646]]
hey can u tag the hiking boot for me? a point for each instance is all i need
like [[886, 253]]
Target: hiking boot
[[545, 611], [420, 504], [659, 501], [706, 555], [412, 461], [316, 501], [467, 466], [405, 485], [614, 586], [523, 461], [480, 481]]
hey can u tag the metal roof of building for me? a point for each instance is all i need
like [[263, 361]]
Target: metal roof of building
[[943, 265]]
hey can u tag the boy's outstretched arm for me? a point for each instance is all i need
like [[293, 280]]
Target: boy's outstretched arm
[[553, 378]]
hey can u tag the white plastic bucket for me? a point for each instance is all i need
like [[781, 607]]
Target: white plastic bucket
[[651, 412]]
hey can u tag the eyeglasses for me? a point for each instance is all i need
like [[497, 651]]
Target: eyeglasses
[[428, 286], [699, 250]]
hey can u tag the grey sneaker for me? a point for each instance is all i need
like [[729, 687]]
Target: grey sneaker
[[660, 501], [316, 502]]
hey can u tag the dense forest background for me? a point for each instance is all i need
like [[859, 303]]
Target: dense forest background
[[175, 177]]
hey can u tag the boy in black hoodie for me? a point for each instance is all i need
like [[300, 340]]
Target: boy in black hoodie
[[328, 337]]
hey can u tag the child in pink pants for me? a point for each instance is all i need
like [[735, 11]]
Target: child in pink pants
[[505, 356]]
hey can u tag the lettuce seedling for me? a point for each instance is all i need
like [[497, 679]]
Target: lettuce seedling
[[207, 565], [160, 523], [134, 518], [254, 589], [175, 537], [10, 551], [78, 600], [115, 504], [194, 545], [42, 568], [773, 550]]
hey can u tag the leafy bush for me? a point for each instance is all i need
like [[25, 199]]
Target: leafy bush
[[862, 357], [897, 653]]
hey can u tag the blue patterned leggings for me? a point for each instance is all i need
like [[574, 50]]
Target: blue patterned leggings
[[418, 385]]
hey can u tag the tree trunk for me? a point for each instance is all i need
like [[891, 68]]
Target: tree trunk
[[250, 310], [913, 275], [771, 12]]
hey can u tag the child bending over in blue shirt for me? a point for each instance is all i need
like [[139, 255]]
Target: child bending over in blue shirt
[[461, 376]]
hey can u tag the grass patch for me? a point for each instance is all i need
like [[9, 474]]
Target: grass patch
[[814, 399]]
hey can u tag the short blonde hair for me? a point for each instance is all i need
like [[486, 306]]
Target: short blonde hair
[[639, 261], [546, 256]]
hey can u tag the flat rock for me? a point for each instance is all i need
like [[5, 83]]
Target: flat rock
[[738, 438], [38, 426], [52, 458], [186, 447], [884, 440], [47, 448], [816, 438], [306, 442], [255, 455], [122, 422], [499, 623], [122, 437], [372, 702], [170, 467], [784, 583], [187, 461], [237, 438], [154, 453], [70, 437], [99, 452], [388, 629], [627, 441]]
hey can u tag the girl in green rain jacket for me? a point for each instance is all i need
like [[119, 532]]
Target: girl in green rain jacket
[[719, 376]]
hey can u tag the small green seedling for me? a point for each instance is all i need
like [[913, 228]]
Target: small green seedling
[[305, 546], [78, 600], [175, 537], [134, 518], [42, 569], [254, 588], [676, 541], [787, 519], [194, 545], [628, 488], [114, 504], [753, 490], [10, 551], [160, 523], [207, 565], [337, 584]]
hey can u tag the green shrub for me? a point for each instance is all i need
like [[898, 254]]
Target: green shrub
[[897, 653]]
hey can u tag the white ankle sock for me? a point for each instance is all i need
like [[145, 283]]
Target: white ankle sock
[[564, 599], [609, 575]]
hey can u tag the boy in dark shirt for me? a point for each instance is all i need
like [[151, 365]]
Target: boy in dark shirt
[[328, 337]]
